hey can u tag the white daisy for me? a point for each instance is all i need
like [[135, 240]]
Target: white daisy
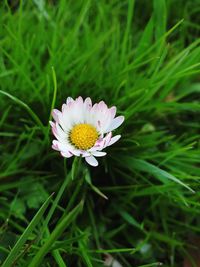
[[83, 129]]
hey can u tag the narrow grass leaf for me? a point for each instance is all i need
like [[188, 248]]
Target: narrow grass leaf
[[160, 174], [54, 92], [59, 229], [128, 218], [93, 187], [16, 249], [160, 18], [25, 106], [146, 38]]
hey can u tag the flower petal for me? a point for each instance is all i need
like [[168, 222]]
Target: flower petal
[[63, 147], [76, 152], [114, 139], [113, 111], [86, 154], [88, 102], [107, 139], [55, 145], [55, 114], [115, 123], [66, 154], [91, 161], [98, 153], [69, 99]]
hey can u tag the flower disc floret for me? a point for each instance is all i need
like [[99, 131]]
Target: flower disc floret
[[83, 136]]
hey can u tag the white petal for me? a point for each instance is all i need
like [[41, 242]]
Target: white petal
[[85, 154], [79, 99], [61, 119], [115, 123], [61, 135], [114, 139], [66, 154], [98, 153], [69, 99], [64, 106], [65, 122], [87, 105], [92, 161], [55, 146], [98, 145], [113, 111], [52, 123], [88, 102], [55, 114], [100, 116], [75, 111], [55, 133], [76, 152], [66, 119], [61, 146], [107, 139]]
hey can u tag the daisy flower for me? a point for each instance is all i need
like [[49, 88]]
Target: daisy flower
[[83, 129]]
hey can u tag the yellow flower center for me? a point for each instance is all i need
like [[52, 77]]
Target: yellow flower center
[[83, 136]]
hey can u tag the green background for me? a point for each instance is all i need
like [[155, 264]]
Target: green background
[[142, 56]]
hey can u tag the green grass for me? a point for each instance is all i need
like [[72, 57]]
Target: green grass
[[141, 204]]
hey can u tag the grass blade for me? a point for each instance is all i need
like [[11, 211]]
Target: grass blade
[[21, 241], [25, 106], [160, 174], [64, 223]]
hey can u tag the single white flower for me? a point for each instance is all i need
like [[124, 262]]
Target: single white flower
[[83, 129]]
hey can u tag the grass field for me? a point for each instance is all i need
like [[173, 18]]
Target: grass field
[[141, 204]]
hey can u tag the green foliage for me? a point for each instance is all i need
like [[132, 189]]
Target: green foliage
[[141, 205]]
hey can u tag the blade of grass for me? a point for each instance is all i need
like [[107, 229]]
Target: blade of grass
[[162, 175], [21, 241], [64, 223], [26, 107], [54, 92]]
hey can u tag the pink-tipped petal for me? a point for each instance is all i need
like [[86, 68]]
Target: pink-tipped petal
[[66, 154], [54, 131], [88, 102], [60, 132], [98, 153], [85, 154], [107, 139], [102, 106], [52, 123], [60, 146], [113, 111], [115, 123], [76, 152], [79, 99], [55, 145], [69, 100], [91, 161], [55, 114], [64, 106], [114, 139], [98, 145]]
